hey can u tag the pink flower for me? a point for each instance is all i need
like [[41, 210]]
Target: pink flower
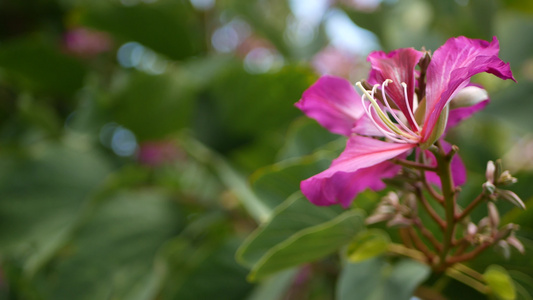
[[86, 42], [401, 108], [157, 153]]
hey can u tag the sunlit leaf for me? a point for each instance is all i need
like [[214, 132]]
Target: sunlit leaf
[[368, 244], [500, 282]]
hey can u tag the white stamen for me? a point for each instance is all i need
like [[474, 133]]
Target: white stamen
[[409, 109], [396, 138], [398, 132], [392, 112]]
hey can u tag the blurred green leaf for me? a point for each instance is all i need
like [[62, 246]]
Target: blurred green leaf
[[42, 194], [40, 67], [228, 176], [523, 284], [112, 253], [377, 279], [171, 28], [244, 106], [289, 218], [305, 136], [309, 244], [273, 184], [269, 19], [368, 244], [152, 106], [199, 263], [500, 282], [519, 5], [274, 287]]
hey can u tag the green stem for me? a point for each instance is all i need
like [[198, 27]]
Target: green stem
[[427, 234], [471, 207], [429, 209], [448, 192], [414, 165], [420, 245]]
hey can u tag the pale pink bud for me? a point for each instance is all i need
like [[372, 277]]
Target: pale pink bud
[[494, 215], [513, 241], [489, 173], [512, 197], [469, 96]]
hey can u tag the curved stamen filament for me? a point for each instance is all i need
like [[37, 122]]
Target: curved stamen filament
[[409, 109], [391, 111], [393, 137], [395, 133]]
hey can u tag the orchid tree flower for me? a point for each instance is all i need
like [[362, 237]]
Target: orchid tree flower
[[408, 101]]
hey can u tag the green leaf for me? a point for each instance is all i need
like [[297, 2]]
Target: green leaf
[[263, 103], [273, 184], [292, 216], [309, 244], [113, 252], [305, 136], [368, 244], [200, 264], [378, 279], [500, 282], [42, 192], [273, 288]]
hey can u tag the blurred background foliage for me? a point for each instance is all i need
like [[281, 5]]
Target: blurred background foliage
[[131, 132]]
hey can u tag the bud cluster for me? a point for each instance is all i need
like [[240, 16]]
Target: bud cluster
[[497, 179], [397, 210], [462, 239]]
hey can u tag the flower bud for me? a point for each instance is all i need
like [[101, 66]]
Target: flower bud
[[494, 215], [503, 248], [392, 199], [512, 197], [471, 229], [513, 241], [489, 188], [483, 224], [508, 230], [399, 221], [506, 179], [378, 217], [489, 173], [469, 96], [411, 203]]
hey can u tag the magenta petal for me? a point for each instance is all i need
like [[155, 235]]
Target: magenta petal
[[458, 114], [457, 165], [365, 126], [333, 103], [450, 69], [342, 187], [398, 66], [362, 164]]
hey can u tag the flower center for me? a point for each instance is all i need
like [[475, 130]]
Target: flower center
[[390, 122]]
